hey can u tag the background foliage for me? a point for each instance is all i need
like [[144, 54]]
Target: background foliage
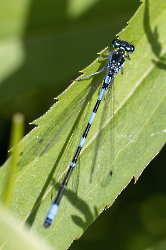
[[42, 48]]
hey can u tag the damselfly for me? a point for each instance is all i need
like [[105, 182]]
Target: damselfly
[[116, 61]]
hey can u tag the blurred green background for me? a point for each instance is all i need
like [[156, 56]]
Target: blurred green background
[[43, 45]]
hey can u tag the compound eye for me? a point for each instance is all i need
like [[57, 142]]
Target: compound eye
[[132, 48], [116, 43]]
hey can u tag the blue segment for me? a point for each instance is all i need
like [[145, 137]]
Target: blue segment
[[102, 92], [92, 118], [107, 79], [82, 142], [53, 211], [72, 164]]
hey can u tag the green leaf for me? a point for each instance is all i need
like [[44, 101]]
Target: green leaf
[[17, 236], [77, 8], [123, 145], [16, 135], [160, 245]]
